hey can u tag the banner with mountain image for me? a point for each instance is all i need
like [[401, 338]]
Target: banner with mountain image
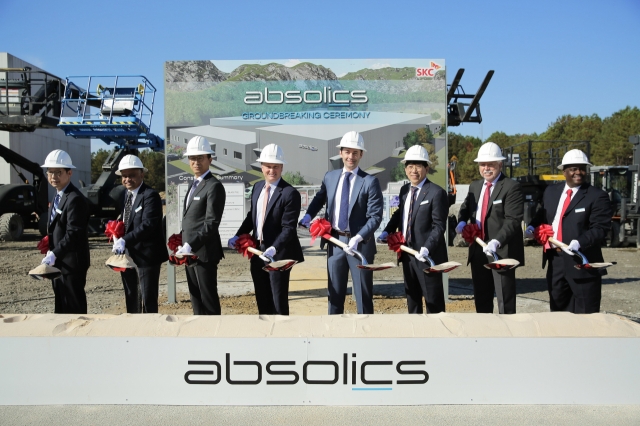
[[304, 106]]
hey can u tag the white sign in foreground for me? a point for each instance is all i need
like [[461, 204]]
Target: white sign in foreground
[[318, 371]]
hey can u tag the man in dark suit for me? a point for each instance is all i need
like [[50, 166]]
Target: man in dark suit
[[421, 217], [143, 239], [495, 203], [275, 206], [353, 202], [68, 238], [201, 218], [580, 215]]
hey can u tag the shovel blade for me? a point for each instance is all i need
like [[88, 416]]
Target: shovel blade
[[279, 265], [380, 267], [442, 268], [597, 265], [502, 264]]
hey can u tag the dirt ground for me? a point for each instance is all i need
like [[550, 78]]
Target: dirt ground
[[21, 294]]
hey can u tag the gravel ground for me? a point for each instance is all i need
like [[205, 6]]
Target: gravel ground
[[21, 294]]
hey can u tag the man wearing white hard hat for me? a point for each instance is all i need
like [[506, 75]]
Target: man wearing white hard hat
[[68, 221], [496, 205], [275, 206], [202, 213], [422, 219], [353, 200], [143, 240], [580, 215]]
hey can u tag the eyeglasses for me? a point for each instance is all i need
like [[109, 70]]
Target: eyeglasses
[[54, 174], [197, 158]]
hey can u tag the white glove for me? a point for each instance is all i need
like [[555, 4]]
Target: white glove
[[422, 254], [232, 242], [268, 253], [574, 246], [460, 226], [492, 246], [306, 221], [118, 246], [383, 237], [49, 258], [529, 231], [353, 245], [184, 249]]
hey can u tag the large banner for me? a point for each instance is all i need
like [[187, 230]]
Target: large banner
[[305, 106]]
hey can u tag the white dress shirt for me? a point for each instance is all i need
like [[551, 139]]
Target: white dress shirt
[[199, 179], [336, 205], [407, 205], [563, 197], [259, 204], [481, 200]]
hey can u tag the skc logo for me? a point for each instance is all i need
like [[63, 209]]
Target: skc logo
[[428, 72]]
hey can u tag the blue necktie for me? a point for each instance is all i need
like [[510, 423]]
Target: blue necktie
[[54, 209], [343, 220], [193, 191]]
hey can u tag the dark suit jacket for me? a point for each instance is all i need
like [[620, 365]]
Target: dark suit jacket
[[281, 220], [428, 219], [365, 207], [144, 236], [504, 216], [587, 220], [201, 220], [68, 237]]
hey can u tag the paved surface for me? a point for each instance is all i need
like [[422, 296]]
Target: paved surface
[[68, 415]]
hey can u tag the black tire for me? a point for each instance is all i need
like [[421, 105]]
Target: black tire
[[11, 227]]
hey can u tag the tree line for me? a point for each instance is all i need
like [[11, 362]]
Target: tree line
[[609, 138]]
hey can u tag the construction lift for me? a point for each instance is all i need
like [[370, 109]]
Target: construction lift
[[117, 110]]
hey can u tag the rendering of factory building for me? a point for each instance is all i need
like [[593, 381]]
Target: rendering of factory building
[[310, 145]]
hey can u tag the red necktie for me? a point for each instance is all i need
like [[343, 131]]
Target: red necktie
[[567, 201], [485, 207]]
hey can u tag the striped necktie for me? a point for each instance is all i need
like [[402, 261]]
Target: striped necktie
[[54, 209]]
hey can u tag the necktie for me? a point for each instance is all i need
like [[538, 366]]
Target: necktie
[[127, 207], [485, 207], [56, 200], [265, 203], [343, 219], [567, 201], [194, 185], [407, 232]]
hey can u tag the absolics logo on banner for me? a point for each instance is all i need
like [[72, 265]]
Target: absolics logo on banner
[[338, 98], [313, 372]]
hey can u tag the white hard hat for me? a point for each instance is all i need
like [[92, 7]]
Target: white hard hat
[[271, 153], [130, 162], [416, 153], [489, 151], [575, 156], [198, 145], [58, 159], [353, 140]]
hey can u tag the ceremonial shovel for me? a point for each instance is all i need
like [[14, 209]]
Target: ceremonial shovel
[[585, 263], [274, 265], [322, 228], [498, 264], [433, 268], [246, 243]]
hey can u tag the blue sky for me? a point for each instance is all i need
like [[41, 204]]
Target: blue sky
[[550, 57]]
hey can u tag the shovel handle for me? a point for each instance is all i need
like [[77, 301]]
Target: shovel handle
[[557, 243], [408, 250], [343, 245], [259, 253], [483, 245], [564, 246]]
